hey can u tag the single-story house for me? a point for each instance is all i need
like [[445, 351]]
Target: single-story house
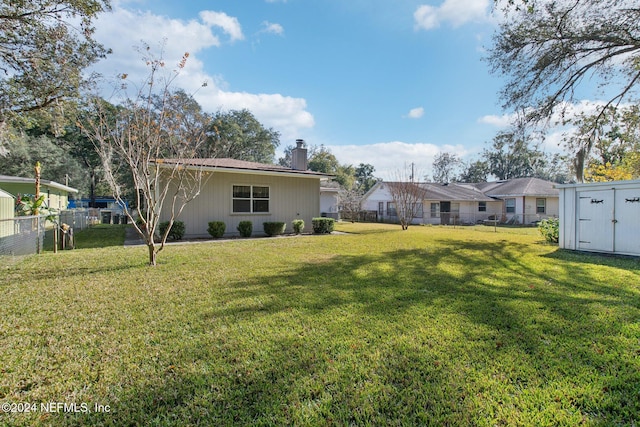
[[236, 190], [526, 200], [330, 200], [56, 195], [517, 201], [600, 217]]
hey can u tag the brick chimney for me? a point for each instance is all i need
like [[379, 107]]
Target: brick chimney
[[299, 156]]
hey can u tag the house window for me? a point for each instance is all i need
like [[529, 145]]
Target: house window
[[418, 210], [510, 205], [482, 206], [391, 209], [381, 208], [435, 210], [541, 206], [250, 199]]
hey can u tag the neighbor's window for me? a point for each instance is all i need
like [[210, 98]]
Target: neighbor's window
[[381, 208], [482, 206], [391, 209], [418, 209], [435, 210], [250, 199], [541, 206], [510, 205]]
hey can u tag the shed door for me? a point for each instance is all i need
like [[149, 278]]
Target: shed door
[[595, 220], [627, 226]]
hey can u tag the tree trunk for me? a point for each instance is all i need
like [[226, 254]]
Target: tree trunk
[[152, 253]]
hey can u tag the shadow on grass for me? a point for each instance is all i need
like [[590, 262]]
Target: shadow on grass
[[468, 333]]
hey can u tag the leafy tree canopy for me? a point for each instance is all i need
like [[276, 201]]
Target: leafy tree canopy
[[547, 49], [45, 46], [237, 134]]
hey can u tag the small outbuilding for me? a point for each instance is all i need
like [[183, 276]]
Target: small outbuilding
[[600, 217], [7, 211]]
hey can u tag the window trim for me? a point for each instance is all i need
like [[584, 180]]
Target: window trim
[[544, 206], [392, 209], [510, 209], [251, 199], [434, 209], [482, 206]]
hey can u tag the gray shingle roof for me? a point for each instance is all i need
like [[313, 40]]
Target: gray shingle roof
[[518, 187], [226, 163]]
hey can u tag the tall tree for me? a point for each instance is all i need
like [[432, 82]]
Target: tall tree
[[548, 49], [237, 134], [57, 164], [146, 136], [444, 167], [364, 177], [603, 140], [45, 46], [474, 171]]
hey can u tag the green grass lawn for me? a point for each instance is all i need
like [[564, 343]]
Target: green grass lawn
[[379, 326]]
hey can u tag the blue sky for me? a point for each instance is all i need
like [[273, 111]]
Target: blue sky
[[385, 82]]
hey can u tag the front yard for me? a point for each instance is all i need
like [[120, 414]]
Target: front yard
[[429, 326]]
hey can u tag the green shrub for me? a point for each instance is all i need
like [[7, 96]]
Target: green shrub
[[298, 226], [550, 229], [245, 228], [216, 229], [274, 228], [176, 232], [322, 225]]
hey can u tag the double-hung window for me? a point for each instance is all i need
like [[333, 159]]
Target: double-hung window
[[435, 210], [250, 199], [510, 205], [541, 206], [482, 206], [391, 209]]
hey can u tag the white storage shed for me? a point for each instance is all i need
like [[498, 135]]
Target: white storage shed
[[601, 217]]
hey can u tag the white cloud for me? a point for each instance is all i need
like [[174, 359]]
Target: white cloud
[[416, 113], [229, 24], [454, 12], [390, 157], [122, 28], [502, 121], [272, 28]]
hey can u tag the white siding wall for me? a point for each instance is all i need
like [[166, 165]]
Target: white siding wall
[[600, 217], [289, 198]]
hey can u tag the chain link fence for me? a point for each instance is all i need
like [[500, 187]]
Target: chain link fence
[[22, 235], [25, 235]]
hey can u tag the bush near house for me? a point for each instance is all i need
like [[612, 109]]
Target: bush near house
[[298, 225], [245, 228], [216, 229], [322, 225], [550, 229], [274, 228], [176, 232]]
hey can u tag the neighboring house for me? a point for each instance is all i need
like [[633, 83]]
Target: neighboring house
[[330, 200], [56, 195], [600, 217], [517, 201], [236, 190], [526, 200]]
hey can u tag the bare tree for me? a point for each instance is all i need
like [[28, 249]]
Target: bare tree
[[145, 134], [407, 196], [351, 202]]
